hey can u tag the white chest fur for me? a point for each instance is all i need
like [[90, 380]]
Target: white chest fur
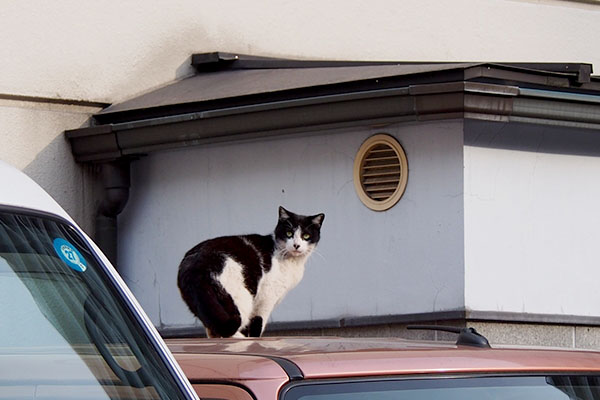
[[283, 276]]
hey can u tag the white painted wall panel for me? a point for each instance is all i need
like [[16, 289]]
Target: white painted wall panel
[[531, 221]]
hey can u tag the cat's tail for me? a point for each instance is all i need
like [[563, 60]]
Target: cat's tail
[[208, 301]]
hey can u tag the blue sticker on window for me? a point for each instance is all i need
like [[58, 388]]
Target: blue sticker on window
[[69, 254]]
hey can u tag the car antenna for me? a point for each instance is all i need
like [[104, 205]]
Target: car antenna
[[466, 336]]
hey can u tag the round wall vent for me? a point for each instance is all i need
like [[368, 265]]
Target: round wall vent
[[380, 172]]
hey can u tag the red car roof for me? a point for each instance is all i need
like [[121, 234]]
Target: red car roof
[[328, 357]]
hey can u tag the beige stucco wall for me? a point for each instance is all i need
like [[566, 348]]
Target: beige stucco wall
[[107, 51], [33, 141]]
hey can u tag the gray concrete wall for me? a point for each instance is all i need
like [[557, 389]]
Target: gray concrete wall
[[498, 333], [406, 260]]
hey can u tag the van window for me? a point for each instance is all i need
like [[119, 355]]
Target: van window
[[65, 331]]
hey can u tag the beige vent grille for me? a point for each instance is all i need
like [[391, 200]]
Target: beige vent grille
[[380, 172]]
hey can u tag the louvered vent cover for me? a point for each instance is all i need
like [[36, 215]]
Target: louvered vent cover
[[380, 172]]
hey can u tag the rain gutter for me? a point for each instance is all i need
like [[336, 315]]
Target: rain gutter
[[116, 182]]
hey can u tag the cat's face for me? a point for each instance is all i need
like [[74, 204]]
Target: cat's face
[[297, 235]]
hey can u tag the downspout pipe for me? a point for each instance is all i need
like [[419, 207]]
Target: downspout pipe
[[116, 182]]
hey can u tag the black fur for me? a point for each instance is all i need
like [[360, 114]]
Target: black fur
[[207, 299], [254, 328], [209, 302], [310, 225]]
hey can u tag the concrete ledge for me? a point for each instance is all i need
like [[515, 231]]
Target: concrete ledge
[[440, 316], [500, 328]]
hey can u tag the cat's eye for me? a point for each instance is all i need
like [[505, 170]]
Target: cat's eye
[[306, 236], [289, 234]]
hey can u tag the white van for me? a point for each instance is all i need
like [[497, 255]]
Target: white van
[[69, 327]]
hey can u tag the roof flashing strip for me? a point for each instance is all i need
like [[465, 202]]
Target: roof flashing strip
[[563, 96], [218, 61], [203, 62]]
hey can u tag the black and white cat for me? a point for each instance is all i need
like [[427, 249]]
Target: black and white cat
[[232, 283]]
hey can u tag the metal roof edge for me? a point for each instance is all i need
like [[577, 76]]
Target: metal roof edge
[[212, 61], [532, 318], [439, 316], [176, 98], [218, 61], [472, 100]]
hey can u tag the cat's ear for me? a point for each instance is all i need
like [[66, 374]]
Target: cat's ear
[[283, 213], [318, 219]]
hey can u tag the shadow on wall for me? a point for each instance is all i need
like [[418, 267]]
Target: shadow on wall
[[76, 187], [533, 138]]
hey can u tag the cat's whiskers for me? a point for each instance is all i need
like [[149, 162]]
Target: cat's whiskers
[[317, 252], [283, 253]]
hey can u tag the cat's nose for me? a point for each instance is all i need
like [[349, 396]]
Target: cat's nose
[[296, 246]]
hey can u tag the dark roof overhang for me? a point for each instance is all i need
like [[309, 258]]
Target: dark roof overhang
[[240, 97]]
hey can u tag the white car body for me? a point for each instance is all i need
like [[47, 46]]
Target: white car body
[[21, 193]]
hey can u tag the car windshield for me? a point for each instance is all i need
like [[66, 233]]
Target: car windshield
[[553, 387], [65, 329]]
